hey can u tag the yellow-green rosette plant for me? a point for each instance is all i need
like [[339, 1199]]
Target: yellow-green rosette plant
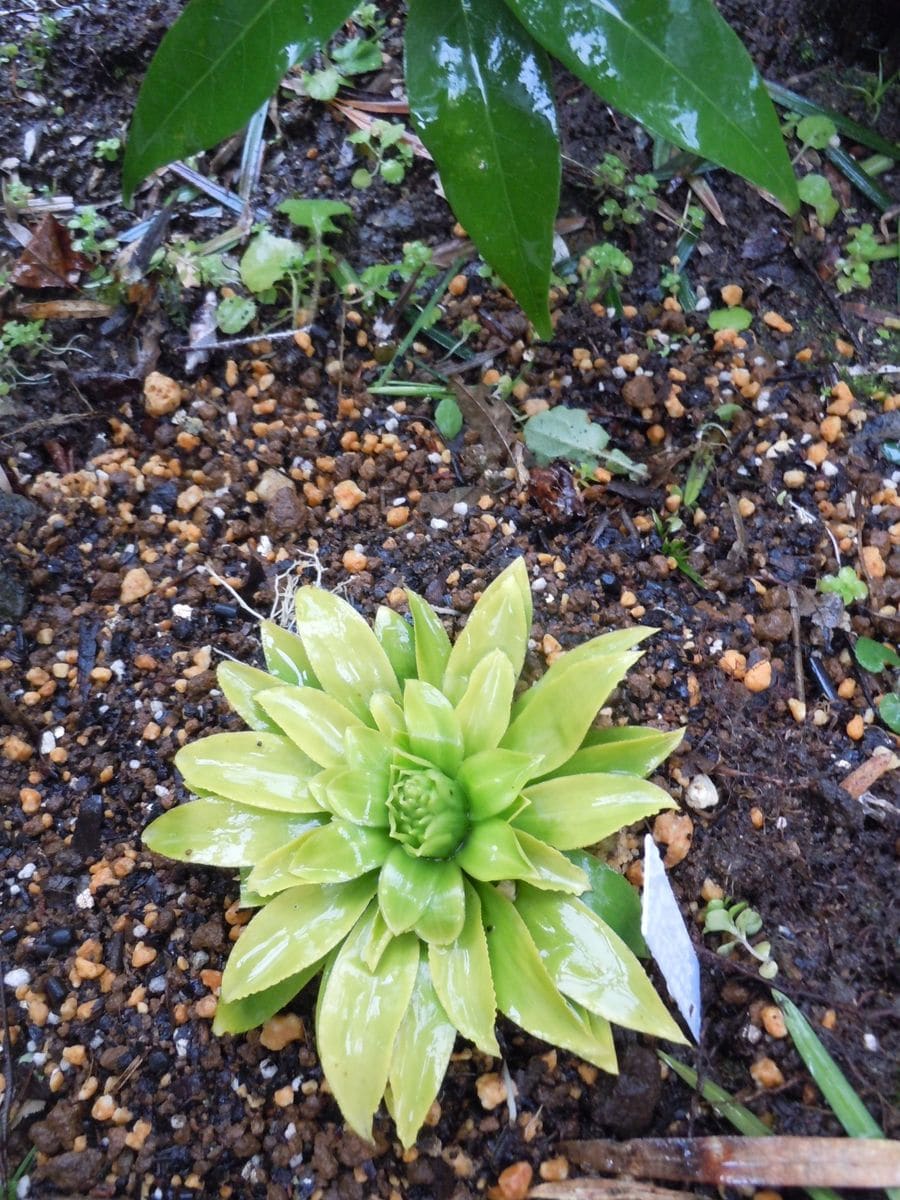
[[413, 831]]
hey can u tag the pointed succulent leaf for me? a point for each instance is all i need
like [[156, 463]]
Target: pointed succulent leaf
[[461, 972], [496, 622], [388, 716], [222, 833], [627, 750], [340, 851], [293, 931], [483, 711], [552, 871], [443, 916], [380, 937], [359, 1014], [525, 991], [491, 851], [353, 794], [591, 964], [603, 1036], [612, 898], [313, 720], [367, 750], [493, 780], [419, 1061], [240, 685], [262, 770], [579, 810], [285, 656], [432, 642], [404, 889], [605, 645], [432, 726], [272, 873], [554, 725], [397, 641], [344, 652], [241, 1015]]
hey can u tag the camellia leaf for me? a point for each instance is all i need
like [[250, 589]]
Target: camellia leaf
[[525, 991], [285, 656], [293, 931], [678, 69], [240, 1015], [314, 721], [590, 963], [419, 1060], [222, 833], [461, 972], [481, 98], [263, 770], [344, 652], [214, 68], [240, 684], [551, 726], [358, 1017], [579, 810]]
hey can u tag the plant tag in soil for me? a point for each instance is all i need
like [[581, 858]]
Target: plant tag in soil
[[670, 944]]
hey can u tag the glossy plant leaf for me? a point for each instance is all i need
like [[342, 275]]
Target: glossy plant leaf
[[315, 722], [432, 643], [214, 68], [481, 99], [398, 642], [494, 779], [612, 898], [461, 972], [404, 889], [492, 851], [358, 1017], [497, 621], [433, 726], [591, 964], [443, 915], [285, 656], [580, 810], [627, 750], [420, 1056], [293, 931], [240, 1015], [483, 711], [222, 833], [340, 851], [263, 770], [680, 70], [240, 685], [606, 645], [551, 727], [552, 871], [525, 991], [356, 795]]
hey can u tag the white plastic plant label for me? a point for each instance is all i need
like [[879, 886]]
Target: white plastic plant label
[[670, 943]]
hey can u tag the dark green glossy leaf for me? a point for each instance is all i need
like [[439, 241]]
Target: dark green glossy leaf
[[214, 68], [481, 98], [889, 710], [677, 68], [613, 899]]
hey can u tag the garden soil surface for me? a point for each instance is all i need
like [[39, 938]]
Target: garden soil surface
[[139, 522]]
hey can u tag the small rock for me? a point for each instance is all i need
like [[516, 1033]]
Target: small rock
[[135, 586], [675, 831], [354, 562], [773, 1021], [284, 512], [74, 1171], [758, 677], [731, 294], [15, 597], [774, 626], [189, 498], [873, 562], [766, 1073], [278, 1032], [639, 392], [701, 793], [270, 483], [162, 395], [491, 1090], [348, 495]]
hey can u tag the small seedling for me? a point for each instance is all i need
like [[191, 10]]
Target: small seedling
[[235, 313], [846, 584], [20, 340], [876, 657], [861, 249], [815, 190], [624, 202], [601, 269], [570, 434], [108, 149], [90, 228], [385, 143], [875, 92], [739, 923], [736, 318], [674, 547]]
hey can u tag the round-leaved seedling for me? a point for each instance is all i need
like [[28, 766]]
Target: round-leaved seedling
[[413, 831]]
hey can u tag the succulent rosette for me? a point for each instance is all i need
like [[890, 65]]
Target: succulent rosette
[[413, 831]]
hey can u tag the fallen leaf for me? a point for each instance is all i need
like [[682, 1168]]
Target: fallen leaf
[[49, 260]]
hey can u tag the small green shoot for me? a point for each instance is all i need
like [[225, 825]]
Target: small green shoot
[[861, 249], [235, 313], [11, 1191], [569, 433], [876, 657], [448, 418], [739, 923], [385, 143], [624, 202], [875, 92], [815, 190], [846, 584], [831, 1081], [91, 230], [601, 269], [736, 318], [108, 149], [674, 547]]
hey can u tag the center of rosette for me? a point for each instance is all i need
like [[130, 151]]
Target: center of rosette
[[427, 811]]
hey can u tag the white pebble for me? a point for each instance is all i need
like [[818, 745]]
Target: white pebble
[[16, 977], [701, 793]]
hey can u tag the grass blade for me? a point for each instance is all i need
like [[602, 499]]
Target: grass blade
[[860, 179], [808, 108]]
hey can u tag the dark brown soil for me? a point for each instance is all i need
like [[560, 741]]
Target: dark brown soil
[[96, 694]]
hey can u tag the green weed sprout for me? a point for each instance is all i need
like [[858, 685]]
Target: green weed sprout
[[406, 827], [862, 249], [846, 584], [601, 268], [739, 922]]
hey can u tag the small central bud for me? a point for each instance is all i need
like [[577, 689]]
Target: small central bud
[[427, 811]]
